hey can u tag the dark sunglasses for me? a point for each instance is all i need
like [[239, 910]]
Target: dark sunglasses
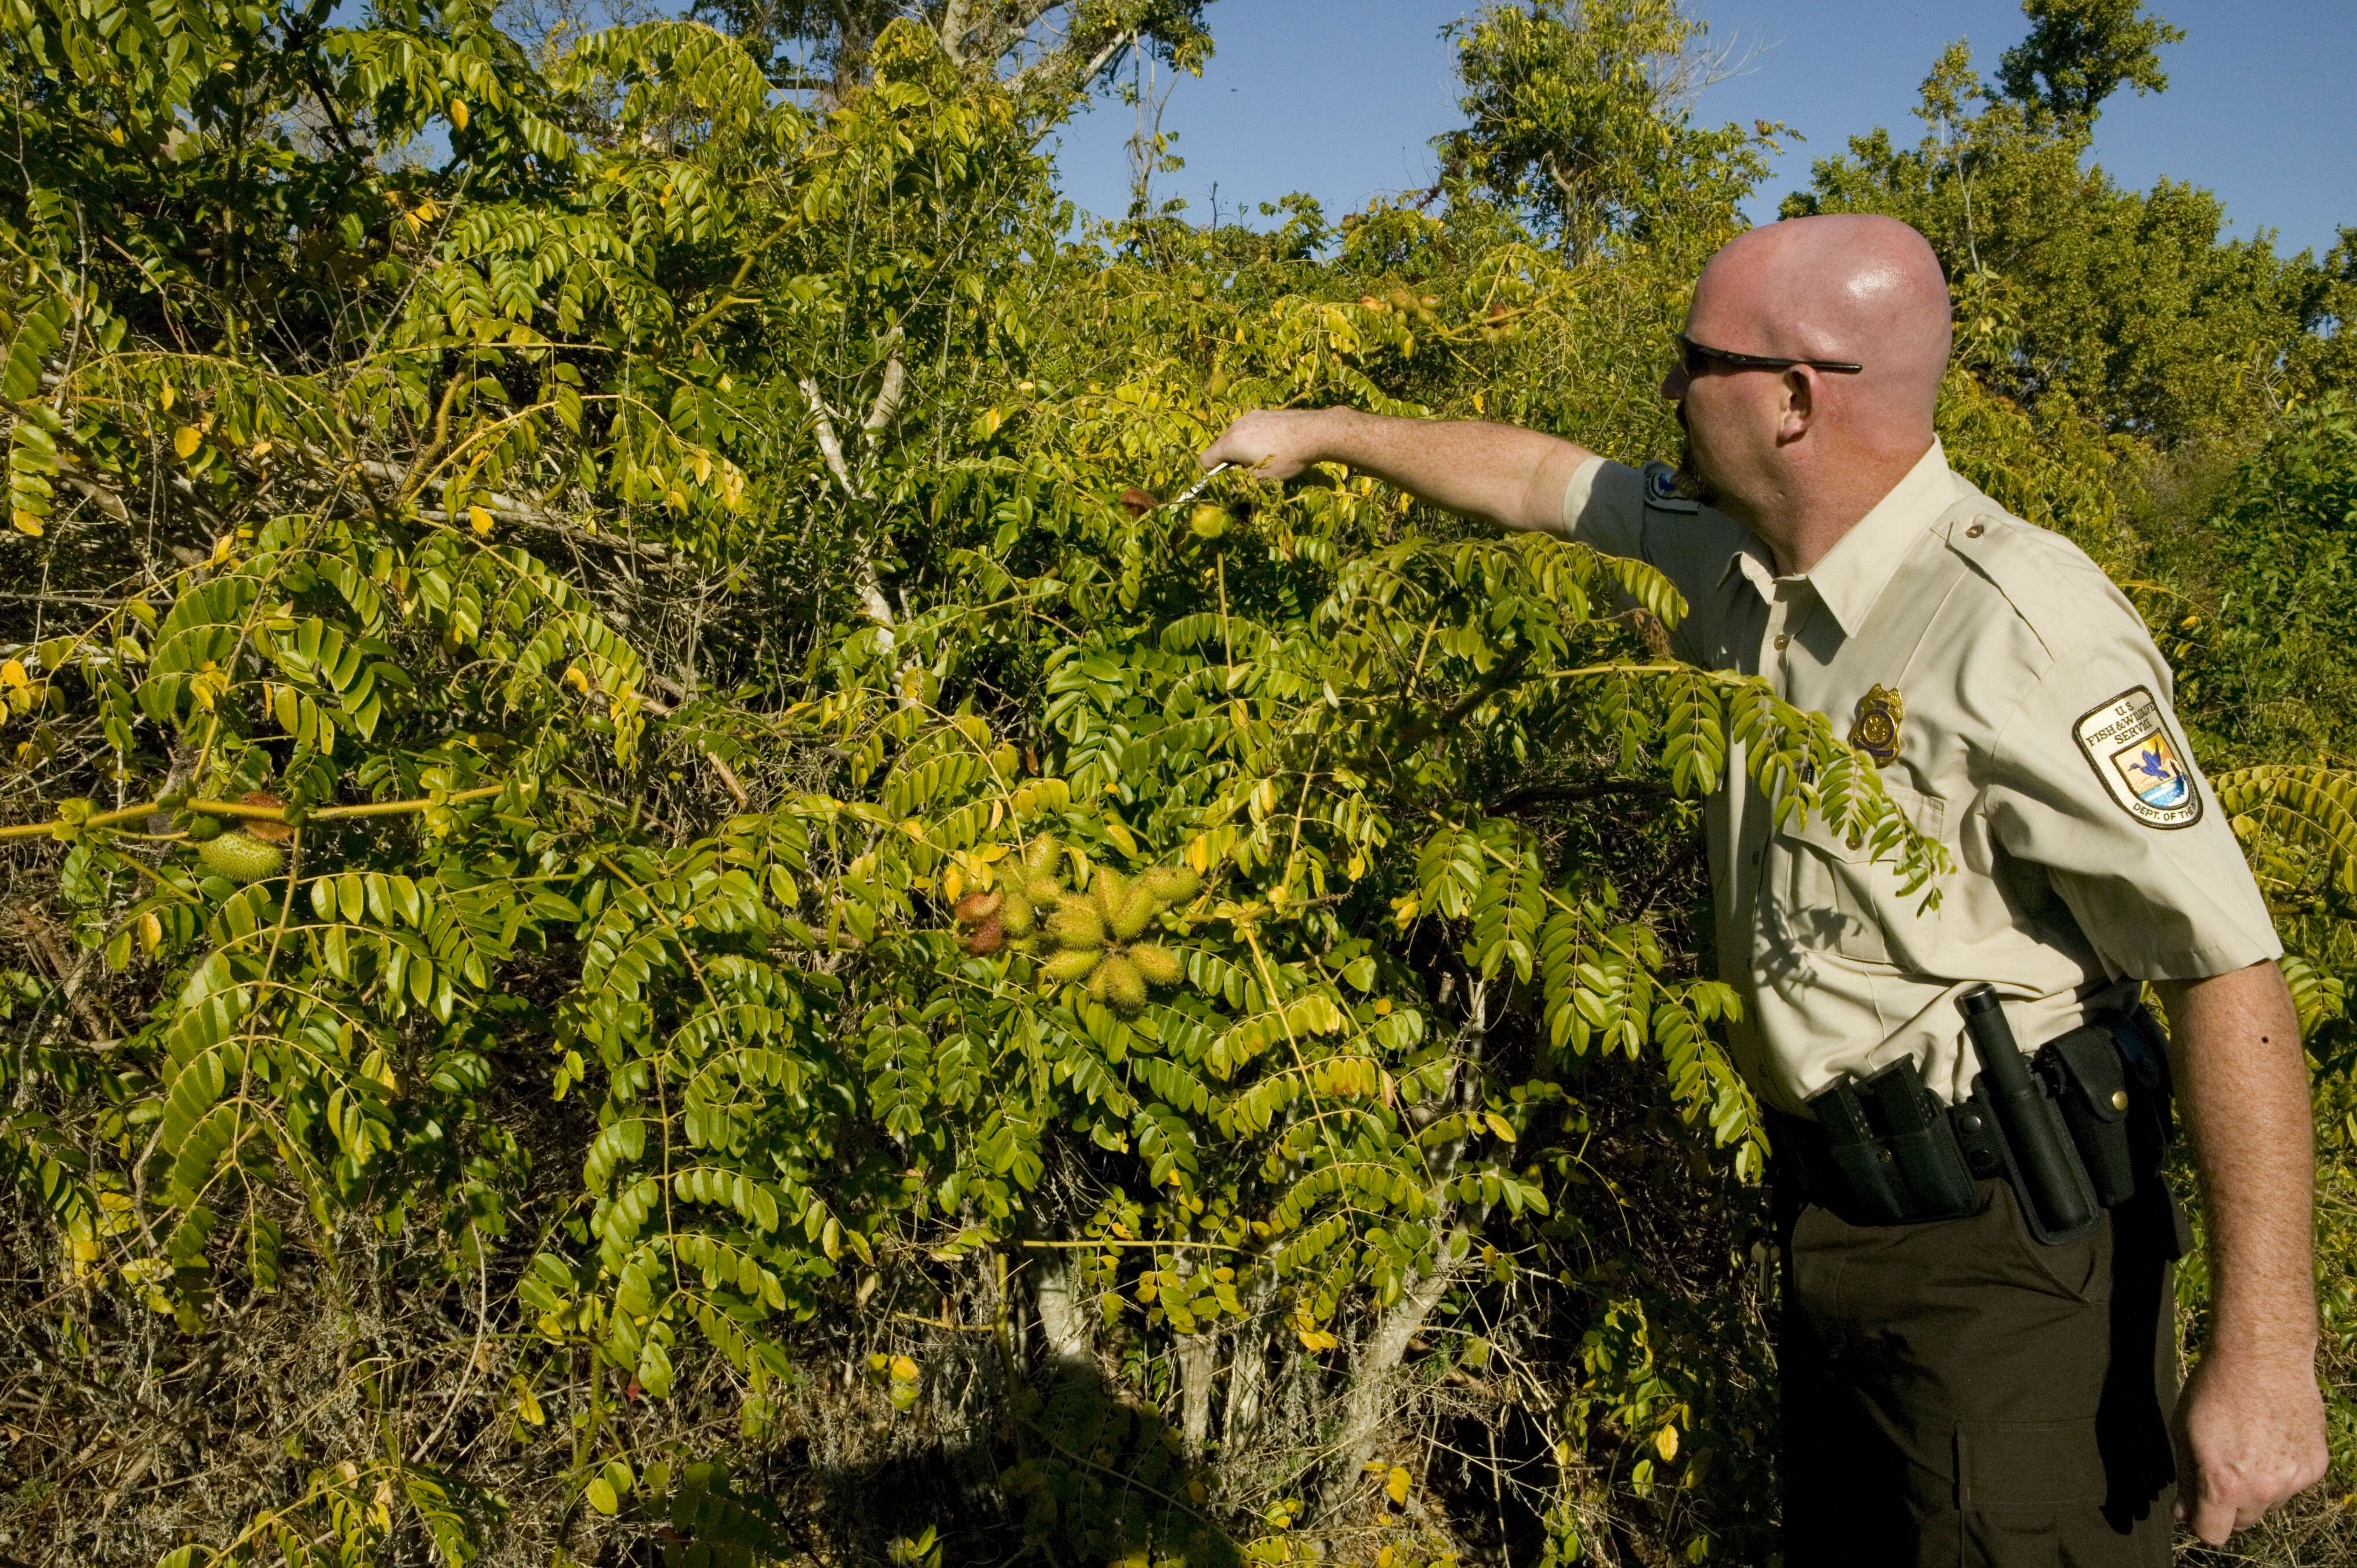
[[1694, 357]]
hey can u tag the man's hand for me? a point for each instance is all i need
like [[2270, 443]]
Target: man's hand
[[2250, 1423], [2250, 1434], [1507, 475], [1274, 443]]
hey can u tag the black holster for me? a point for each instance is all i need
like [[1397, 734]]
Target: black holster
[[1884, 1151]]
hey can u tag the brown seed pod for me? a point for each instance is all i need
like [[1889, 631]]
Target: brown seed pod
[[263, 828], [1137, 502], [1157, 964], [976, 907], [1073, 965], [986, 938]]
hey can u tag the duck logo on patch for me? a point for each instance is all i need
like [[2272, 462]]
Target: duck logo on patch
[[2141, 765]]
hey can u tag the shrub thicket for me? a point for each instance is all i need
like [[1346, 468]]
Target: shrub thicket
[[656, 909]]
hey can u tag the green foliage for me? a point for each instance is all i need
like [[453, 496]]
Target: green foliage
[[2079, 52], [663, 902]]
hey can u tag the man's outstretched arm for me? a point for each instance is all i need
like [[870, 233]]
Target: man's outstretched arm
[[1508, 476], [2250, 1423]]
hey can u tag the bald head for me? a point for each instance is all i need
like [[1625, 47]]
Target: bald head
[[1852, 286]]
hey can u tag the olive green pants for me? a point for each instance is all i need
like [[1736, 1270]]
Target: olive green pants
[[1956, 1395]]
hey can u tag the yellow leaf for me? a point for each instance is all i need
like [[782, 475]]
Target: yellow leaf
[[25, 522], [151, 932], [904, 1371], [1396, 1486], [953, 883], [478, 520], [528, 1407], [165, 397], [1499, 1124], [1665, 1441], [601, 1495], [458, 118], [12, 674], [184, 441]]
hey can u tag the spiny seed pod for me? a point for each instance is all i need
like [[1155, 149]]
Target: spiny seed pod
[[1106, 891], [1132, 915], [1157, 964], [1073, 966], [1077, 927], [1043, 889], [1137, 502], [1039, 855], [976, 907], [1014, 912], [1171, 885], [264, 828], [1118, 985], [240, 857], [987, 939], [201, 827]]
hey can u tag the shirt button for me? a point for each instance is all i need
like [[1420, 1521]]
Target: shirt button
[[1784, 639], [1975, 531]]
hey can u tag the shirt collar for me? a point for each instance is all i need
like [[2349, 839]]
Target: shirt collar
[[1854, 572]]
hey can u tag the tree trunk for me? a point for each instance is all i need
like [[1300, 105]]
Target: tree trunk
[[1367, 1403]]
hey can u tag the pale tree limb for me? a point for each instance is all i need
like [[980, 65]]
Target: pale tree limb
[[1367, 1404]]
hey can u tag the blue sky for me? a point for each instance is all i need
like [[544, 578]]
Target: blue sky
[[1339, 98]]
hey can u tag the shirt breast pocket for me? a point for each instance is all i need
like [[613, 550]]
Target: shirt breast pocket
[[1839, 897]]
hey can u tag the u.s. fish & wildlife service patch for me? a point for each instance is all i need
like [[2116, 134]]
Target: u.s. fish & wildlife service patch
[[2139, 761]]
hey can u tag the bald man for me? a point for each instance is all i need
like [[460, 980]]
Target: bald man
[[1975, 1369]]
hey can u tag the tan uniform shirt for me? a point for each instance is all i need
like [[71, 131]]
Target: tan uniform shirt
[[2038, 744]]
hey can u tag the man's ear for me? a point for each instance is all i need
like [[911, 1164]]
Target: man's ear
[[1799, 405]]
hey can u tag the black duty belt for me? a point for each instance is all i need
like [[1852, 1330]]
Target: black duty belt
[[2084, 1128]]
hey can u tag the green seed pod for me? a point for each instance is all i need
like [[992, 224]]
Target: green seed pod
[[1118, 985], [201, 827], [1107, 891], [1043, 890], [240, 857], [1077, 926], [1073, 965], [1040, 855], [1014, 912], [1157, 964], [1133, 915], [1169, 884]]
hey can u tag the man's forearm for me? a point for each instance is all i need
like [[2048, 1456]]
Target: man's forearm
[[2242, 1085], [1498, 472]]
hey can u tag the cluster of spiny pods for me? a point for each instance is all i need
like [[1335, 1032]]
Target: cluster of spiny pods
[[1091, 937]]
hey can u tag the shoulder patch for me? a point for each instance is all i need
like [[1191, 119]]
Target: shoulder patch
[[2143, 768], [1661, 491]]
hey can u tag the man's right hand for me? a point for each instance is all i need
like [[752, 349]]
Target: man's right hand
[[1496, 471], [1273, 442]]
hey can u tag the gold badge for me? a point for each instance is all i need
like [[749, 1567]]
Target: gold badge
[[1877, 730]]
